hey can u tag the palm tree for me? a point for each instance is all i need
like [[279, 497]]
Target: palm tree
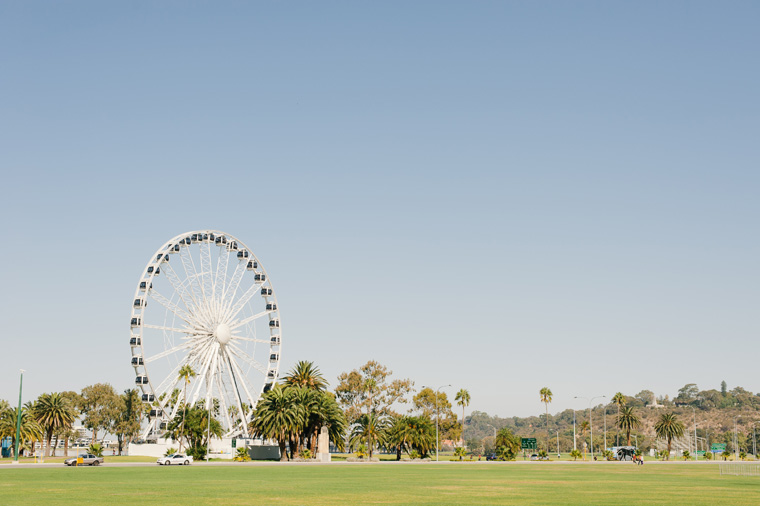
[[186, 373], [276, 417], [546, 398], [618, 399], [628, 420], [463, 399], [369, 427], [584, 427], [54, 415], [668, 427], [30, 428], [407, 433], [307, 375]]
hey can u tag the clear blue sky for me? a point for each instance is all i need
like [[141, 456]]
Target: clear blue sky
[[497, 195]]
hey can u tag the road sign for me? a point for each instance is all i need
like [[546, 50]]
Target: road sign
[[717, 448], [234, 442], [528, 443]]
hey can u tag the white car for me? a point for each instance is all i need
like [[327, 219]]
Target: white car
[[177, 458]]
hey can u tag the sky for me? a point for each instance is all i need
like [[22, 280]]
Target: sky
[[499, 196]]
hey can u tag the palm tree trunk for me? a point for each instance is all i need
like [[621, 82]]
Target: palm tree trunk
[[617, 429], [49, 439], [668, 455], [547, 426], [283, 454], [462, 436], [66, 447]]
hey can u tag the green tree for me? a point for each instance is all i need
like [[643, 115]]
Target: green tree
[[507, 444], [54, 414], [619, 400], [575, 454], [463, 399], [370, 389], [195, 426], [322, 410], [277, 416], [99, 404], [307, 375], [30, 429], [627, 420], [370, 428], [546, 398], [410, 433], [186, 374], [126, 425], [668, 427]]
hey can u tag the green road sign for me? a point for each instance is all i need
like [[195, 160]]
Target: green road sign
[[234, 442], [528, 443], [718, 447]]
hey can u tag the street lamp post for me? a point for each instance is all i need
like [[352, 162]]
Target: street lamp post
[[696, 448], [436, 420], [590, 420], [18, 417], [736, 439], [574, 446], [754, 441], [605, 427]]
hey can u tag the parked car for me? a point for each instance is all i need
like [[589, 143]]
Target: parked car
[[88, 459], [177, 458]]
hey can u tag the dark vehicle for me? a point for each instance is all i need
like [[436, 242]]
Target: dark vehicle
[[491, 456], [88, 459]]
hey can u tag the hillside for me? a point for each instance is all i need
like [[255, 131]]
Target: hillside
[[714, 411]]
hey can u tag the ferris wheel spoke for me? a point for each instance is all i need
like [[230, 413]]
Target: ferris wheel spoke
[[186, 295], [222, 397], [249, 319], [205, 357], [171, 306], [221, 273], [244, 356], [169, 352], [251, 339], [206, 274], [236, 392], [231, 290], [243, 381], [191, 274], [244, 299], [168, 329], [168, 383]]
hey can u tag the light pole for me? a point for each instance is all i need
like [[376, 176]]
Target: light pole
[[436, 420], [557, 444], [574, 446], [590, 420], [754, 441], [18, 417], [696, 448], [736, 439], [605, 427]]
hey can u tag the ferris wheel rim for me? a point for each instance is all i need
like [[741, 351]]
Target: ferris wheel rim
[[225, 347]]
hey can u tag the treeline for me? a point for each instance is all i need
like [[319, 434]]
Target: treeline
[[714, 412]]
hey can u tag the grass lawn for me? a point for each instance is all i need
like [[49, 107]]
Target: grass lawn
[[428, 484]]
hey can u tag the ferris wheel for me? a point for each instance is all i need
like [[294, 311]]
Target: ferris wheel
[[204, 301]]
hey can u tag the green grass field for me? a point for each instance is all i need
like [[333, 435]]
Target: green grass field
[[425, 484]]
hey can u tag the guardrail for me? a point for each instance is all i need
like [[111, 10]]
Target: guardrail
[[739, 469]]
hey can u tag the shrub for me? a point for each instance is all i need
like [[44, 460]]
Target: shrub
[[170, 451], [414, 454], [575, 454], [96, 449], [305, 454], [242, 455], [708, 455], [361, 451], [197, 452]]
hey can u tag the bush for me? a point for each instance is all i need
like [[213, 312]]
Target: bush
[[96, 449], [242, 455], [686, 455], [414, 454], [575, 454], [305, 454], [361, 451], [170, 451], [708, 455], [197, 452]]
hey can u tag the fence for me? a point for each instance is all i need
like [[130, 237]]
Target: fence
[[739, 469]]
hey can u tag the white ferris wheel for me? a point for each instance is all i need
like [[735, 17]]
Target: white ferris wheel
[[204, 300]]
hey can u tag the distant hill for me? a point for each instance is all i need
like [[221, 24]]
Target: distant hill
[[715, 412]]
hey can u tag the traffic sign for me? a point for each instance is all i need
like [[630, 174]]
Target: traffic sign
[[528, 443], [717, 448]]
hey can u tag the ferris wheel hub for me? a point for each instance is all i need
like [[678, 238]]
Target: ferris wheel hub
[[223, 333]]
